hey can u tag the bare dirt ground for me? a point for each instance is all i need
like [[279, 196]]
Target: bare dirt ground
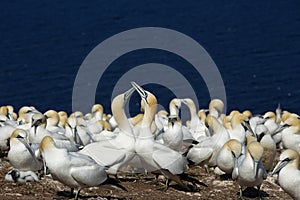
[[138, 188]]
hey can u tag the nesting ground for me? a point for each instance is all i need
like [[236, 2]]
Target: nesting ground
[[138, 188]]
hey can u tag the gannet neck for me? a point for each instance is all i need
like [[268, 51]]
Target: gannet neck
[[174, 107], [117, 107], [191, 105]]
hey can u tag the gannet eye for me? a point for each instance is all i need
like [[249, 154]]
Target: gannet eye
[[233, 154], [286, 160]]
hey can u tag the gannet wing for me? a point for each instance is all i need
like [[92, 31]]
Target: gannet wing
[[169, 159], [198, 155], [104, 155]]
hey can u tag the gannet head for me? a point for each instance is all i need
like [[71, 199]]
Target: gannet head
[[216, 104], [11, 113], [97, 108], [63, 116], [52, 116], [256, 150], [46, 143], [150, 102], [148, 98], [4, 111], [174, 106], [173, 120], [269, 115], [21, 136], [235, 147], [38, 120], [288, 157], [18, 133], [202, 114], [105, 125], [242, 119], [248, 113]]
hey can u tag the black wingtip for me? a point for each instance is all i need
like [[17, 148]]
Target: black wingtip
[[114, 183]]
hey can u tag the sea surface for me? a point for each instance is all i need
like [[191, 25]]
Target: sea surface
[[255, 45]]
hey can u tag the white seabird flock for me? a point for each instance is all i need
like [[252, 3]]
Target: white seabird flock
[[85, 150]]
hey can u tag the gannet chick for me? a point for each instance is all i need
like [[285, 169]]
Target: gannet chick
[[71, 168], [249, 171], [228, 155], [266, 140], [288, 172], [21, 155], [18, 176]]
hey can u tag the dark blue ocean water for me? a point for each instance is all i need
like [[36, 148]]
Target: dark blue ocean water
[[256, 46]]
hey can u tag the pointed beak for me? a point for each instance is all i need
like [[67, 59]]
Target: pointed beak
[[247, 126], [280, 129], [279, 166], [255, 167], [128, 93], [139, 89], [34, 123]]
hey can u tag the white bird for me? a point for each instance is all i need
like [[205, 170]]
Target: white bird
[[18, 176], [117, 152], [206, 151], [5, 133], [173, 136], [270, 122], [269, 145], [239, 124], [291, 134], [196, 127], [21, 155], [288, 172], [97, 111], [228, 155], [71, 168], [39, 131], [52, 122], [215, 108], [249, 170], [151, 155]]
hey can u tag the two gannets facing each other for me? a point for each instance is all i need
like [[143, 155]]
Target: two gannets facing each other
[[151, 155], [71, 168], [288, 172]]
